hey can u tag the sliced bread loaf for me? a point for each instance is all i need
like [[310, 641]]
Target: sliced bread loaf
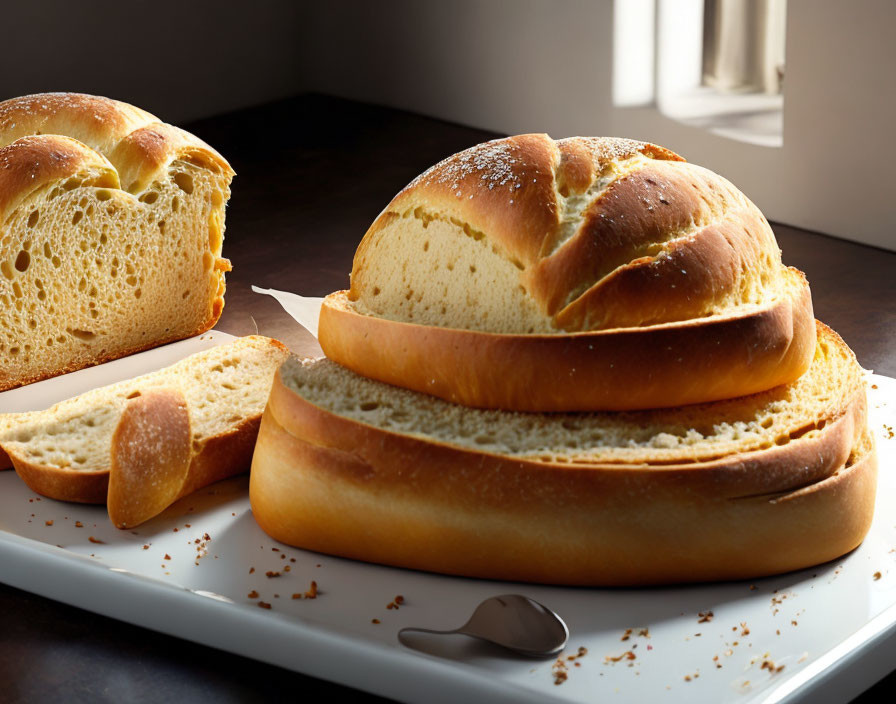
[[111, 226], [579, 274], [734, 489], [66, 451]]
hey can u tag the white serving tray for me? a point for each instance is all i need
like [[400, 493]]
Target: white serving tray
[[833, 628]]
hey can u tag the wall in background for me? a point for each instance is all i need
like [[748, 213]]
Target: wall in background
[[180, 60], [506, 65], [524, 65]]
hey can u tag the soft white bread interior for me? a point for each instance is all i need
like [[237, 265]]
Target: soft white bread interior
[[527, 238], [66, 451], [734, 489], [111, 226]]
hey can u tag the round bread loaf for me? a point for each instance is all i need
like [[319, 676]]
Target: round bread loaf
[[735, 489], [580, 274]]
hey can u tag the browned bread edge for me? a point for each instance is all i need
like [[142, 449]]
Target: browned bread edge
[[658, 366]]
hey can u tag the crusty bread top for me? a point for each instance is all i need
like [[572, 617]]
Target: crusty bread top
[[118, 137], [831, 387], [529, 235]]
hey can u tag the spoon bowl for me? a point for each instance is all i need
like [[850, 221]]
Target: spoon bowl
[[515, 622]]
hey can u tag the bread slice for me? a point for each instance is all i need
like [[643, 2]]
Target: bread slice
[[66, 451], [540, 275], [110, 243], [150, 456], [734, 489]]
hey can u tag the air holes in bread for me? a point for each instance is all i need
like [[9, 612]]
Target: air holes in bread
[[149, 197], [369, 406], [184, 182], [103, 194], [23, 261], [85, 335], [76, 218], [33, 218]]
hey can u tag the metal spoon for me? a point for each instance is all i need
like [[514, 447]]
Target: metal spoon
[[515, 622]]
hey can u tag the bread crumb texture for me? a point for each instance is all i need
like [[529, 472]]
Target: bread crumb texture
[[696, 433], [531, 235], [111, 233]]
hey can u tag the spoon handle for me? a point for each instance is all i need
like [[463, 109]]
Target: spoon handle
[[411, 629]]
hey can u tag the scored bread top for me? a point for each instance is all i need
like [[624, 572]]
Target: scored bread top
[[531, 235], [137, 144]]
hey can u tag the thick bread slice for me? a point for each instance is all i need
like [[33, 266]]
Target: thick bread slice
[[111, 226], [65, 452], [657, 366], [741, 488], [496, 250]]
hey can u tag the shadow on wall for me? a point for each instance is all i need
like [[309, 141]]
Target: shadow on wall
[[179, 60]]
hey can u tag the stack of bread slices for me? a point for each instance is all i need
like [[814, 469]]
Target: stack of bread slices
[[574, 362]]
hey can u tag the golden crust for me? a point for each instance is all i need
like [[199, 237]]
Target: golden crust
[[324, 482], [32, 163], [624, 369], [149, 457], [137, 143], [508, 189]]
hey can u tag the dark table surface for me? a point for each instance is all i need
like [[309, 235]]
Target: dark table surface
[[313, 173]]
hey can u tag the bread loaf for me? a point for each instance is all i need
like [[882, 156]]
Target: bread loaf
[[66, 452], [734, 489], [111, 225], [579, 274]]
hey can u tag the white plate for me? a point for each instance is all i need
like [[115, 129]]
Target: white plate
[[833, 628]]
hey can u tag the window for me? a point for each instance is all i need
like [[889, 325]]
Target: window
[[713, 64]]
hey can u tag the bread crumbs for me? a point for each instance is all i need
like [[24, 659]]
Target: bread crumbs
[[264, 605], [560, 669], [310, 594], [770, 666], [396, 602], [704, 616], [48, 523], [96, 540]]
